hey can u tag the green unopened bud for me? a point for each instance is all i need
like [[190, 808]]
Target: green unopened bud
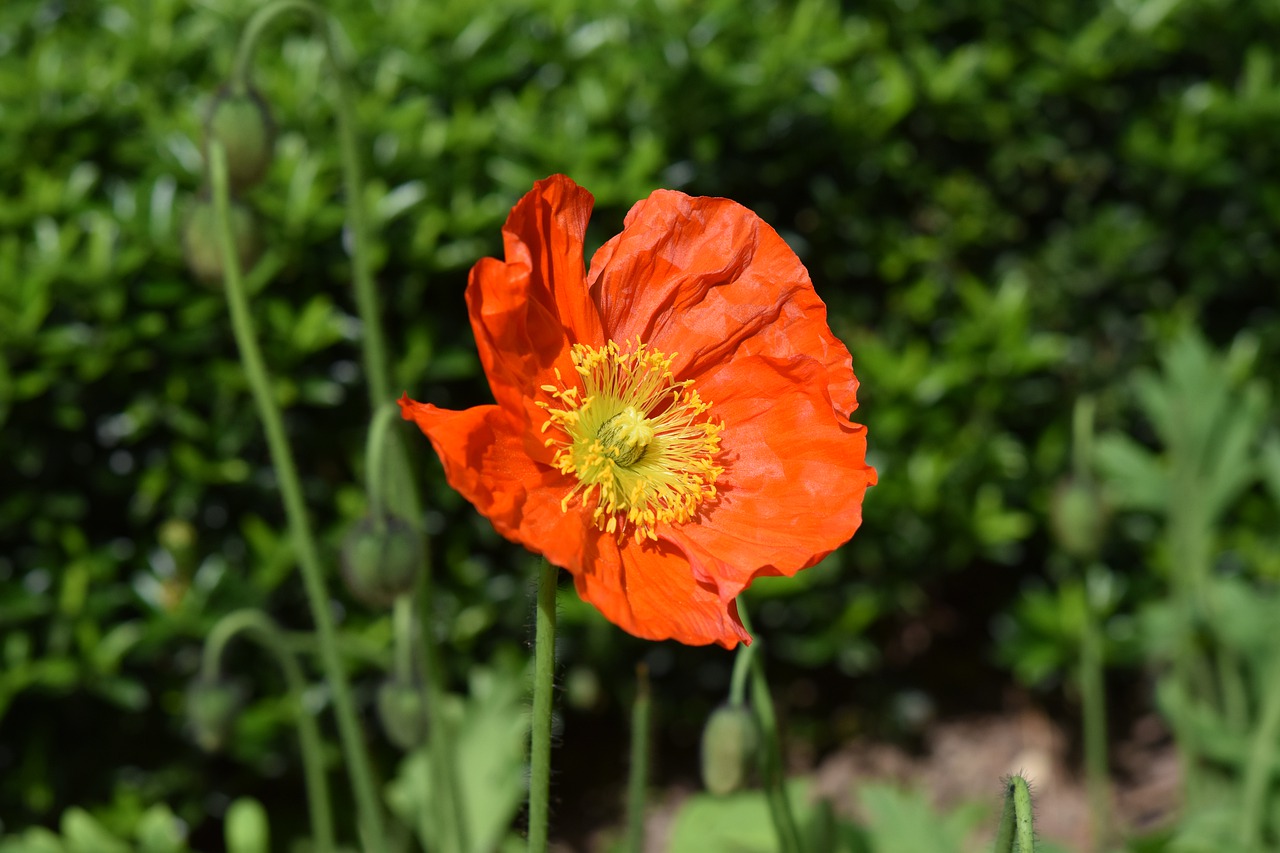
[[212, 707], [403, 713], [1078, 516], [241, 121], [178, 537], [729, 744], [200, 244], [381, 559]]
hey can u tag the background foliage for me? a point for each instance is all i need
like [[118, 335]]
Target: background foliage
[[1005, 207]]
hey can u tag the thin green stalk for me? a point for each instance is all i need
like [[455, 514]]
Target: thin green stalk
[[374, 346], [402, 639], [357, 760], [374, 352], [1257, 773], [1092, 665], [638, 781], [441, 743], [741, 669], [1093, 698], [375, 458], [544, 644], [1184, 537], [262, 628], [771, 771]]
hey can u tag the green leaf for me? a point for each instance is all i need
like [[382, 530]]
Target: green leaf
[[736, 823], [898, 820], [159, 831], [1134, 476], [84, 834], [487, 737]]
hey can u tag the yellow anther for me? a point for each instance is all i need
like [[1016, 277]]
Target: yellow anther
[[638, 442]]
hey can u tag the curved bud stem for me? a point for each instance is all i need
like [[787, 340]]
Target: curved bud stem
[[404, 499], [375, 351], [1260, 766], [358, 765], [264, 630], [771, 772]]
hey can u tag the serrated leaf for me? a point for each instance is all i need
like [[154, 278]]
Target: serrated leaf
[[1134, 476]]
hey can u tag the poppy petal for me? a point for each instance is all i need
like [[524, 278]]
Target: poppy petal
[[485, 460], [649, 590], [795, 474], [708, 279], [528, 310]]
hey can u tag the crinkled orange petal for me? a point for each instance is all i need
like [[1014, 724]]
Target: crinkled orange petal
[[528, 310], [708, 279], [649, 590], [795, 474], [485, 460]]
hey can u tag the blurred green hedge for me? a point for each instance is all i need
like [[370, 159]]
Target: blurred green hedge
[[1004, 207]]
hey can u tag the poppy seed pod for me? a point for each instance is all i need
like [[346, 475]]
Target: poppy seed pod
[[1078, 516], [729, 743], [200, 240], [212, 707], [241, 121], [381, 559], [402, 713]]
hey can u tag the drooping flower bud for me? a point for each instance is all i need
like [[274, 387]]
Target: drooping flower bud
[[248, 829], [240, 120], [200, 240], [403, 713], [212, 707], [729, 747], [381, 559], [1078, 516], [179, 537]]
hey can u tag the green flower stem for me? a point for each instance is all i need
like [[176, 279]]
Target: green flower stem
[[771, 771], [544, 653], [1190, 670], [402, 639], [375, 456], [1017, 826], [442, 807], [441, 743], [741, 668], [1092, 665], [357, 760], [375, 350], [1093, 699], [1257, 772], [262, 628], [638, 780]]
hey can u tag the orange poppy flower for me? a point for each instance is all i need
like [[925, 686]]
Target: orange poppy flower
[[668, 427]]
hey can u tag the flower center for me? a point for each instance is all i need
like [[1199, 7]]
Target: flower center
[[637, 441]]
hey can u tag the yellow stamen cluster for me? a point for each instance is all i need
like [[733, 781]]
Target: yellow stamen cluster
[[638, 441]]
